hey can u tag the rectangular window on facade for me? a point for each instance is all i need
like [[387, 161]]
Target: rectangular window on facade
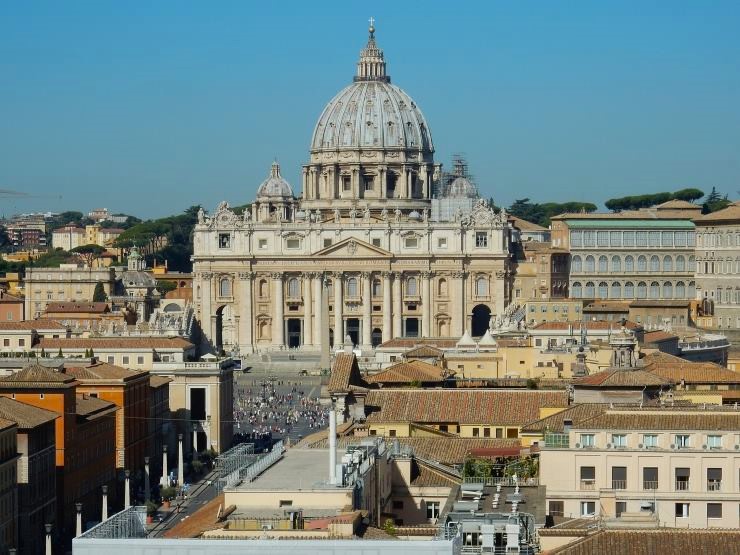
[[679, 238], [432, 510], [714, 510], [666, 239], [641, 239], [441, 242], [682, 441], [327, 243], [682, 510], [619, 440], [714, 479], [615, 238], [139, 360], [556, 508], [602, 238], [6, 342], [476, 432], [293, 243], [21, 342], [587, 440], [481, 239], [576, 238], [224, 240], [125, 360], [628, 238], [262, 244], [650, 440], [589, 238], [411, 242], [621, 507], [654, 239], [588, 477], [111, 360], [588, 508], [714, 442], [650, 477], [376, 241]]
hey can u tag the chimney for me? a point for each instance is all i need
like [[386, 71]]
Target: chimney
[[332, 446]]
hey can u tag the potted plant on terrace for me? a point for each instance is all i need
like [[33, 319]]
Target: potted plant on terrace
[[168, 494]]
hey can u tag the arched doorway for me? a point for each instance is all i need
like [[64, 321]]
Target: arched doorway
[[353, 330], [294, 333], [481, 319], [377, 337]]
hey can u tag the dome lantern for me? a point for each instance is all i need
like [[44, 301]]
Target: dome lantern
[[371, 66]]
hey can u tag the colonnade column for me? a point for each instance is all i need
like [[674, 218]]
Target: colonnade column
[[307, 285], [397, 305], [387, 308], [367, 308], [278, 317], [426, 304], [338, 310], [458, 295], [317, 284], [246, 281]]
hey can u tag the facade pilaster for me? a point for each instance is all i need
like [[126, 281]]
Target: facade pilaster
[[397, 305], [367, 308], [338, 309], [246, 316], [278, 318], [307, 285], [426, 304], [206, 306], [458, 290], [387, 308]]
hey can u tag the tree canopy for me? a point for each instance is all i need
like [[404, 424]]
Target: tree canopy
[[540, 214], [88, 253], [635, 202]]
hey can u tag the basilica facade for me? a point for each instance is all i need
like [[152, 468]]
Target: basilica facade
[[365, 253]]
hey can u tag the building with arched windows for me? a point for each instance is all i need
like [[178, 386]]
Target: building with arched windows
[[364, 238]]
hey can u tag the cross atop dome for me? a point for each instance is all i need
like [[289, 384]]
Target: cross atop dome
[[371, 66]]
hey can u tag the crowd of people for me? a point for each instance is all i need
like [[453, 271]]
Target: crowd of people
[[266, 410]]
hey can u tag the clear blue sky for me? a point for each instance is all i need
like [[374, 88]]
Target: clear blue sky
[[149, 107]]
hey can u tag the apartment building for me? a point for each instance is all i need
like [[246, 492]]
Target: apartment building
[[69, 282], [682, 463]]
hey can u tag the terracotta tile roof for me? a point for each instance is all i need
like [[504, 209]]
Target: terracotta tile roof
[[729, 214], [678, 204], [525, 225], [73, 307], [345, 374], [115, 343], [676, 370], [37, 376], [102, 371], [5, 424], [41, 324], [489, 406], [158, 381], [590, 325], [647, 303], [423, 351], [439, 342], [27, 416], [620, 378], [658, 336], [662, 540], [6, 297], [407, 372], [426, 476], [92, 406], [577, 414], [678, 419]]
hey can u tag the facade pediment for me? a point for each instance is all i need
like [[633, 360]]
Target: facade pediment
[[353, 248]]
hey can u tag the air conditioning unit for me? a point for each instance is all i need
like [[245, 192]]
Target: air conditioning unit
[[705, 447], [640, 446], [737, 446], [608, 445], [578, 445], [673, 445]]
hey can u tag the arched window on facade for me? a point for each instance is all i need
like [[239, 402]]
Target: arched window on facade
[[642, 263], [629, 264], [481, 286], [576, 264], [352, 287], [224, 287], [667, 264], [667, 290], [576, 290], [642, 290], [590, 290], [263, 290], [654, 264], [616, 264], [692, 290], [654, 290], [629, 290], [616, 292], [603, 264], [412, 288], [294, 288], [442, 287], [377, 288], [590, 264], [603, 290], [680, 263], [680, 290], [692, 264]]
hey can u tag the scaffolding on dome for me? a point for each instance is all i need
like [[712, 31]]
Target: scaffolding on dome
[[459, 169], [129, 523]]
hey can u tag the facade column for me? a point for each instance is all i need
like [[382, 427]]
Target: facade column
[[367, 311], [147, 485], [458, 295], [387, 308], [278, 323], [383, 182], [319, 317], [206, 308], [307, 309], [164, 466], [338, 310], [246, 316], [501, 292], [426, 304], [397, 305], [78, 524], [180, 463], [127, 490], [104, 512], [47, 549]]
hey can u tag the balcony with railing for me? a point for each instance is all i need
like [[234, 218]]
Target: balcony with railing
[[588, 485], [714, 485], [682, 485], [649, 484], [557, 440], [619, 484]]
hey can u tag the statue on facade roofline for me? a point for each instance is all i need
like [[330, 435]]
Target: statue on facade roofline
[[201, 215], [337, 217]]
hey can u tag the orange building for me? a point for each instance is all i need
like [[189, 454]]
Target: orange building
[[84, 435], [11, 307], [128, 390]]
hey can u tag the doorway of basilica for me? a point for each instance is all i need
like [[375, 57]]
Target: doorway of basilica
[[481, 320]]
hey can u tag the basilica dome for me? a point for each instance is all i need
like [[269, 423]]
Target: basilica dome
[[462, 187], [371, 113], [275, 185]]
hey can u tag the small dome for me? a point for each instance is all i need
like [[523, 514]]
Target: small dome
[[462, 187], [275, 185], [414, 215]]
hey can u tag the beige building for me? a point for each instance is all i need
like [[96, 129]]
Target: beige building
[[359, 239], [640, 254], [68, 237], [682, 463], [541, 272], [21, 337], [69, 282], [718, 267]]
